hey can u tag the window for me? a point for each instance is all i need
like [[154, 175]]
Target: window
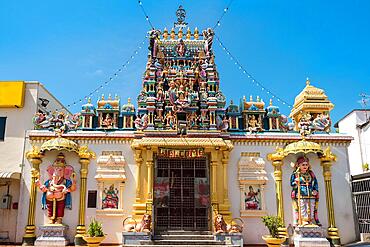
[[91, 199], [2, 128]]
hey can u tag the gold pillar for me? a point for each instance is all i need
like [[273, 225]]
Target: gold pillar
[[35, 157], [139, 161], [225, 161], [213, 177], [85, 156], [326, 163], [149, 164], [277, 162], [225, 206], [139, 206]]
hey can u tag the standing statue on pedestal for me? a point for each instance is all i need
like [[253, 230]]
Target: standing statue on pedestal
[[57, 189], [305, 194]]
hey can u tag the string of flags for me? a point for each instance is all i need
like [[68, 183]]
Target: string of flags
[[111, 78], [251, 78]]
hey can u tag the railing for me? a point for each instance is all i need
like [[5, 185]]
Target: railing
[[361, 196]]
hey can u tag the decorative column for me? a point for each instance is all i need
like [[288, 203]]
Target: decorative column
[[326, 163], [139, 161], [213, 176], [139, 205], [225, 207], [225, 161], [35, 157], [277, 162], [85, 156], [149, 164], [100, 194]]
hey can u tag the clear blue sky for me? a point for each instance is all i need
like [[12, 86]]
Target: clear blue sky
[[73, 46]]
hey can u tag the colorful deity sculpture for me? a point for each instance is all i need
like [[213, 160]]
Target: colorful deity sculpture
[[305, 193], [57, 189], [111, 198]]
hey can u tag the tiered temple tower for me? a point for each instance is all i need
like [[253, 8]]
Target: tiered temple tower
[[181, 85]]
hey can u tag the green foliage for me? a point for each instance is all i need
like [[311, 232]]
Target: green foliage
[[95, 229], [272, 223], [365, 167]]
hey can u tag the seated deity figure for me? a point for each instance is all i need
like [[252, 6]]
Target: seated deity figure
[[111, 198], [253, 124], [57, 189], [107, 121], [305, 193]]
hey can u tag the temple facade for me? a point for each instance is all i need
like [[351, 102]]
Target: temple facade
[[183, 156]]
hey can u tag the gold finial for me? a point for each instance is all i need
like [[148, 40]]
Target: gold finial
[[250, 98], [165, 33], [172, 35], [307, 81], [270, 102], [179, 34], [188, 34], [129, 100], [102, 96], [196, 33], [89, 100], [258, 98], [109, 96], [116, 97]]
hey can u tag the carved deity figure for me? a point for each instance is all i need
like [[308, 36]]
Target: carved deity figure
[[57, 189], [208, 37], [153, 46], [253, 124], [252, 201], [321, 123], [170, 120], [110, 199], [305, 193], [107, 121], [305, 125], [180, 48], [141, 123]]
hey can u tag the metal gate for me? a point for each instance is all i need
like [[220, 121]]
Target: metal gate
[[361, 194], [181, 194]]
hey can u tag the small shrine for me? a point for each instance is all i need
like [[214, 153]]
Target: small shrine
[[88, 112], [312, 104], [108, 112], [111, 177], [252, 181]]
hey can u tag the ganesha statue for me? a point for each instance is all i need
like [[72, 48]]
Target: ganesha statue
[[57, 189]]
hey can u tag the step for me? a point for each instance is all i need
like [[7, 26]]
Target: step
[[174, 232], [183, 237], [182, 245], [182, 242]]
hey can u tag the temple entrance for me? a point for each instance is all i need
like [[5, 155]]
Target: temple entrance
[[181, 194]]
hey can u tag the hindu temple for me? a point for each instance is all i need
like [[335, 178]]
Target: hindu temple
[[185, 161]]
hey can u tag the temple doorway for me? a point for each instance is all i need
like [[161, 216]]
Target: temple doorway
[[181, 194]]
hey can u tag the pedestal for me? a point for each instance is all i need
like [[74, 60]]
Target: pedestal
[[234, 239], [134, 238], [308, 236], [52, 235]]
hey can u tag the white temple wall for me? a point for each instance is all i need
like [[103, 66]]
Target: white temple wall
[[8, 222], [253, 226]]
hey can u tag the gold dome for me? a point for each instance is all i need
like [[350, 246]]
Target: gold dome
[[59, 144], [303, 146], [311, 100]]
